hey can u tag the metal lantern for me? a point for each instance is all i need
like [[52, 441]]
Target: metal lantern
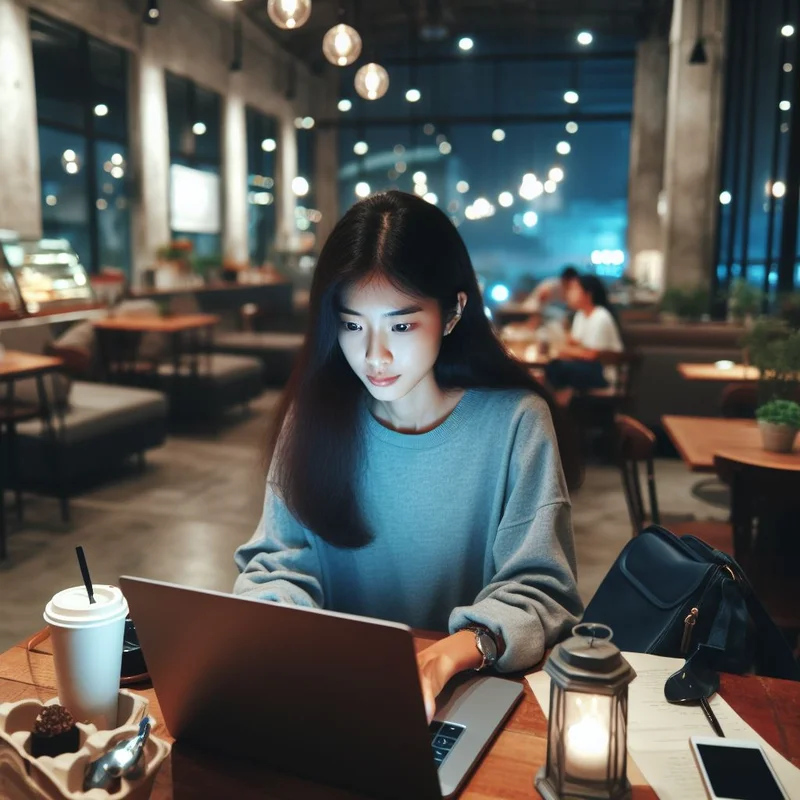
[[372, 81], [289, 14], [588, 725], [341, 45]]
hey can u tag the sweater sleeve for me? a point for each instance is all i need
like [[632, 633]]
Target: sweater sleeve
[[281, 560], [532, 598]]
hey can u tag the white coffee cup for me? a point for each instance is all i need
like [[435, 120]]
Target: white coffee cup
[[87, 648]]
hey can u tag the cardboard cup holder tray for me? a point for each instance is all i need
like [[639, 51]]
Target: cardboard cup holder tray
[[23, 777]]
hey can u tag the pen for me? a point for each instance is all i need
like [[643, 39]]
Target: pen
[[711, 716]]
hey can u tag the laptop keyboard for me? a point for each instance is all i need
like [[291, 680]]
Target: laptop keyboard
[[444, 736]]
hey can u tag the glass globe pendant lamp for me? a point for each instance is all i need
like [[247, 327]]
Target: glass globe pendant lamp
[[372, 81], [289, 14], [341, 45]]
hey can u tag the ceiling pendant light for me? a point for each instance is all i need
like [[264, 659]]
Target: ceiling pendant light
[[289, 14], [341, 45], [152, 15], [372, 81]]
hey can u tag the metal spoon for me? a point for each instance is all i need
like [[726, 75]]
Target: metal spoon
[[692, 684], [124, 760]]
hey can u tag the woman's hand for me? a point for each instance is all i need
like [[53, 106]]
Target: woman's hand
[[441, 661]]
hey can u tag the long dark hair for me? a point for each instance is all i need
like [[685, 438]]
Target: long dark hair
[[596, 289], [317, 440]]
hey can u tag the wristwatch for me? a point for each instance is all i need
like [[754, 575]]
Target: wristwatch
[[487, 647]]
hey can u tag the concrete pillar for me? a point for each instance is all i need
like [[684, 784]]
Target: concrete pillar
[[694, 132], [149, 143], [286, 238], [327, 182], [234, 173], [20, 191], [646, 174]]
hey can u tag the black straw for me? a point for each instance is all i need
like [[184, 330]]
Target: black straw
[[87, 579]]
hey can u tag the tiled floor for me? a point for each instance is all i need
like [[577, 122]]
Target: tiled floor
[[200, 497]]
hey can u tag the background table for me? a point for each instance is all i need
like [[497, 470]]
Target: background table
[[119, 339], [711, 372], [528, 352], [506, 772], [14, 366], [699, 439]]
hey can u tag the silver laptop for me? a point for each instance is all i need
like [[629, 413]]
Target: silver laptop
[[330, 697]]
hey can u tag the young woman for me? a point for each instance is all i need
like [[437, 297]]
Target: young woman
[[594, 330], [415, 472]]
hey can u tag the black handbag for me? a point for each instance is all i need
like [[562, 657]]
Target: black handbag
[[676, 596]]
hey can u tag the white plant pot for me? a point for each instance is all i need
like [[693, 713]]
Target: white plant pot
[[777, 438]]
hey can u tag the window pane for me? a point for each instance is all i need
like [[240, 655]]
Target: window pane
[[261, 149], [207, 247], [206, 126], [111, 206], [65, 195], [180, 129], [580, 217], [109, 90], [61, 79], [306, 208]]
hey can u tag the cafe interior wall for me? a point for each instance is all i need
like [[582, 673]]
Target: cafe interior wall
[[194, 39]]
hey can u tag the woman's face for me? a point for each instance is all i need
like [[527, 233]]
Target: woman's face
[[390, 340], [576, 295]]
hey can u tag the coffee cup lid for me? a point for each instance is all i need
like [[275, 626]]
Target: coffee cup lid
[[71, 608]]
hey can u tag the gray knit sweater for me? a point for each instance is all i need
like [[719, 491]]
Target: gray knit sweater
[[471, 523]]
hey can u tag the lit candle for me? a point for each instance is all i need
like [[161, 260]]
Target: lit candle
[[586, 749]]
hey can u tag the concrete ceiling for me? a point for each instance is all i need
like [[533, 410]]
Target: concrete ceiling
[[388, 24]]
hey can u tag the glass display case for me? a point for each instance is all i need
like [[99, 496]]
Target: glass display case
[[10, 301], [48, 274]]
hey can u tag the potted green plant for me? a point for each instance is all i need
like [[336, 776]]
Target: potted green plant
[[744, 301], [779, 421], [690, 303]]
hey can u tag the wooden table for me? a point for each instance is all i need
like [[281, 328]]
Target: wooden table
[[771, 707], [699, 439], [711, 372], [14, 366], [179, 323], [119, 339]]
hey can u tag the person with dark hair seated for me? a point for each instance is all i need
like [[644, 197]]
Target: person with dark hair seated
[[415, 468], [595, 330], [550, 290]]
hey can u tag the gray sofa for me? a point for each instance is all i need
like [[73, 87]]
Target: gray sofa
[[203, 387], [276, 351], [98, 426]]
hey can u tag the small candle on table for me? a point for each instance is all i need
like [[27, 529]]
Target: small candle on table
[[586, 749]]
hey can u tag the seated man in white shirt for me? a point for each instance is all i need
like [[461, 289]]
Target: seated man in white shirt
[[594, 330], [550, 290]]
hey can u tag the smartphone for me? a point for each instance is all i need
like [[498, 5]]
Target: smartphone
[[735, 769]]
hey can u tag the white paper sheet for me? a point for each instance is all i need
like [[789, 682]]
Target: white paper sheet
[[658, 733]]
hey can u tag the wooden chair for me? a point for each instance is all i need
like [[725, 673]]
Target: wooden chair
[[636, 446], [739, 400], [765, 516], [596, 409]]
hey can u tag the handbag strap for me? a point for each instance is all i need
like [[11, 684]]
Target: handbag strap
[[773, 657]]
